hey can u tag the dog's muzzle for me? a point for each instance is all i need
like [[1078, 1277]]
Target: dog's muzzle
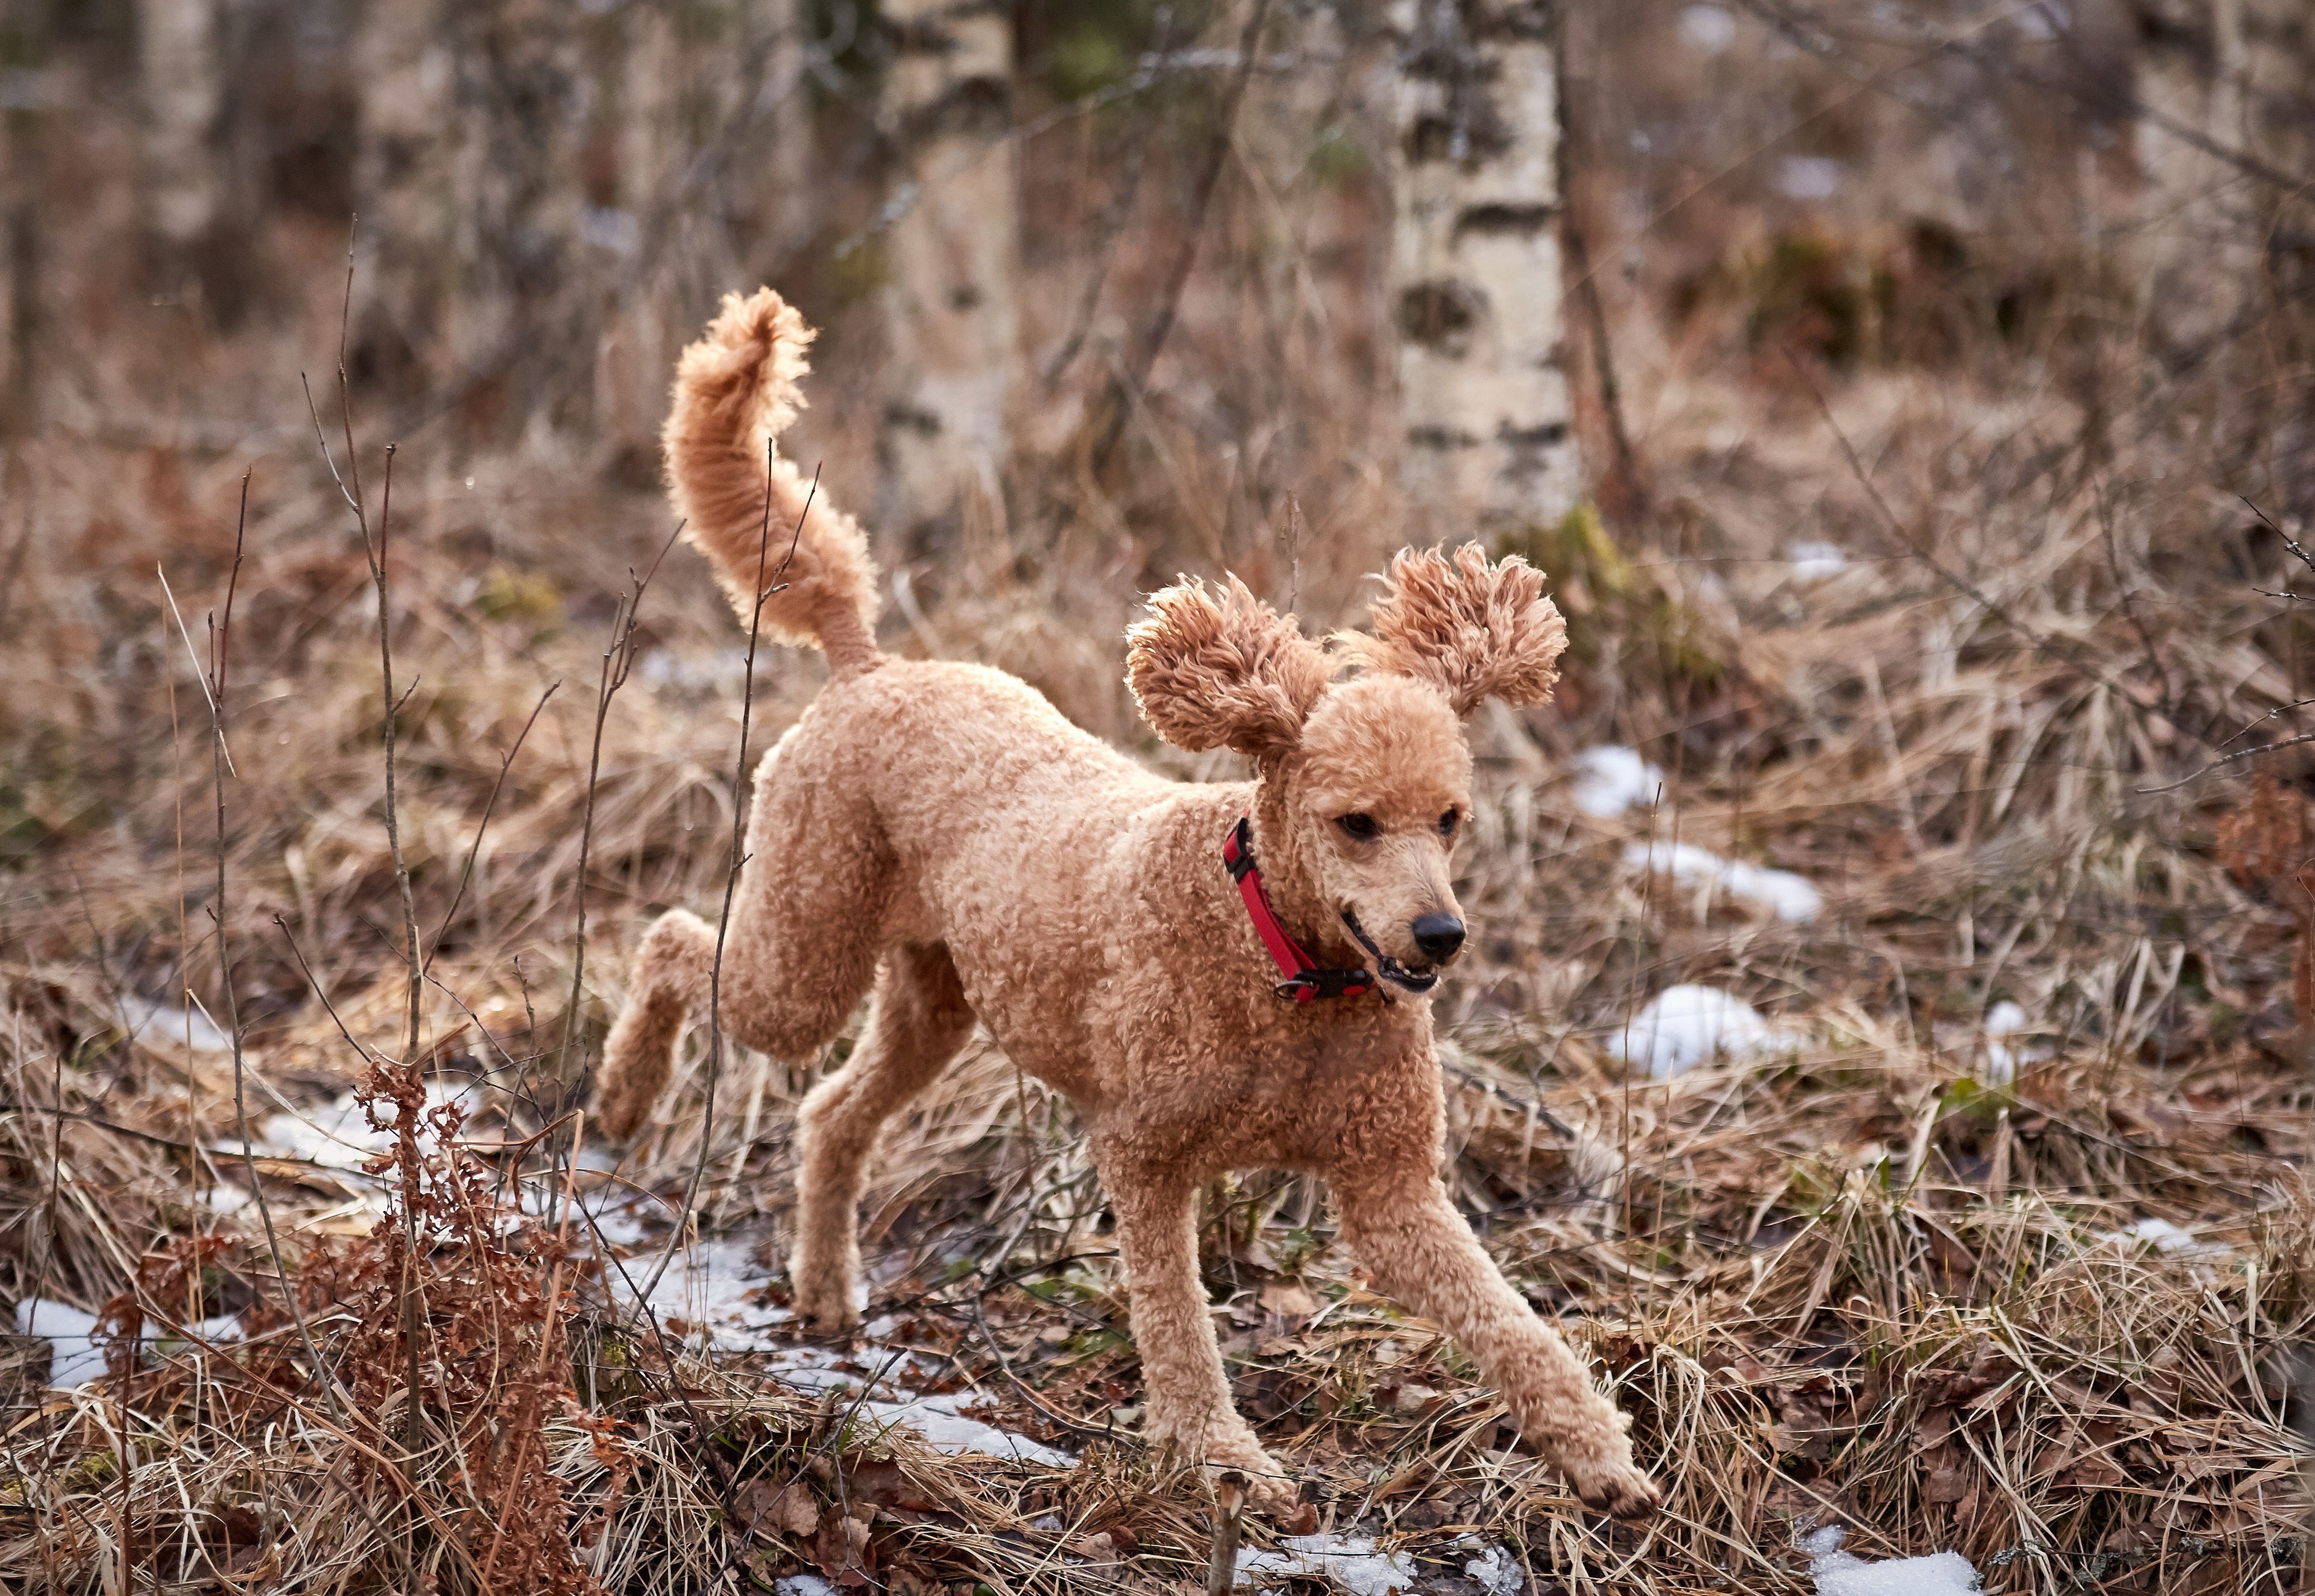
[[1397, 974]]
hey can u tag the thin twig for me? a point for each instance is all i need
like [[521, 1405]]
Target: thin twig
[[489, 807], [739, 838]]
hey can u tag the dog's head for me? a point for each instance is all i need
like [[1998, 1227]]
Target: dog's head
[[1367, 776]]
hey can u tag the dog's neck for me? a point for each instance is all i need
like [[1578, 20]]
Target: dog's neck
[[1291, 883]]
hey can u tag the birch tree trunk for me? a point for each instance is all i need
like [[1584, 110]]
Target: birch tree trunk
[[954, 258], [2197, 211], [404, 190], [1475, 259], [179, 68]]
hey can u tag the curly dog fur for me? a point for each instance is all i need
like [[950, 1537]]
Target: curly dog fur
[[936, 833]]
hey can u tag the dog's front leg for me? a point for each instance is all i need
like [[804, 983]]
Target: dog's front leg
[[1424, 1253], [1188, 1390]]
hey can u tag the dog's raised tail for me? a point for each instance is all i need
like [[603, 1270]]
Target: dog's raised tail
[[735, 390]]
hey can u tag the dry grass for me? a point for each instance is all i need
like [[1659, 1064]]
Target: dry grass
[[1873, 1282]]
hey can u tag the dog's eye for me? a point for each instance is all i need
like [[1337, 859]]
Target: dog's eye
[[1361, 827], [1447, 824]]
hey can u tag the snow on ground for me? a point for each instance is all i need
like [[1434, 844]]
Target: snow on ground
[[1349, 1561], [1611, 779], [2172, 1241], [1495, 1568], [936, 1419], [1811, 560], [338, 1135], [715, 1291], [74, 1357], [1844, 1573], [802, 1584], [163, 1026], [2004, 1053], [1787, 895], [1708, 28], [1686, 1024]]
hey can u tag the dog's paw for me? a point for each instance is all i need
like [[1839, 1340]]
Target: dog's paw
[[826, 1305], [1613, 1485], [1270, 1489]]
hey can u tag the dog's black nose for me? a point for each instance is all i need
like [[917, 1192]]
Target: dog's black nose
[[1438, 935]]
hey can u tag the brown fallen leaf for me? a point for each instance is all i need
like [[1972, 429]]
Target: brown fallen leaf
[[788, 1508]]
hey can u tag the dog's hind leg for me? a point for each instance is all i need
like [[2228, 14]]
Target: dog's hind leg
[[918, 1023], [1189, 1410], [798, 954]]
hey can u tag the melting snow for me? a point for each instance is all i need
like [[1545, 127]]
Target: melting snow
[[1811, 560], [717, 1286], [1350, 1561], [2004, 1020], [1844, 1573], [1611, 779], [338, 1136], [802, 1584], [1808, 177], [935, 1419], [1495, 1568], [1789, 896], [2172, 1241], [1708, 27], [1685, 1026], [74, 1357], [165, 1026]]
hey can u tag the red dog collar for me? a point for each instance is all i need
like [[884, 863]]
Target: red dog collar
[[1305, 979]]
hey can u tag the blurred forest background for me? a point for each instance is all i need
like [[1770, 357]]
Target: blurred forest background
[[1889, 1033]]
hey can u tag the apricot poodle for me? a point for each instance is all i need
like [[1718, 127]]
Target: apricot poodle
[[1219, 976]]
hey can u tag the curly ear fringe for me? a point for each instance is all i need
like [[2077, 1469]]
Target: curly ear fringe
[[1474, 629], [1214, 667]]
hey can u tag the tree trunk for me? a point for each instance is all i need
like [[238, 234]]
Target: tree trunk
[[1477, 279], [179, 61], [953, 259], [403, 191]]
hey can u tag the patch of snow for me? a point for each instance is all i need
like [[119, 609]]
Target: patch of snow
[[1684, 1026], [2171, 1240], [717, 1286], [1784, 893], [2004, 1020], [1808, 177], [1810, 560], [716, 1289], [1348, 1561], [338, 1135], [802, 1584], [1844, 1573], [1708, 28], [935, 1419], [1611, 779], [74, 1357], [1498, 1571], [165, 1026]]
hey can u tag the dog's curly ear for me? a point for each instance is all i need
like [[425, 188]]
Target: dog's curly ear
[[1474, 629], [1215, 667]]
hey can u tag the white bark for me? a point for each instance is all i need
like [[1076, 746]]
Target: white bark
[[954, 258], [177, 42], [1476, 258], [404, 192]]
